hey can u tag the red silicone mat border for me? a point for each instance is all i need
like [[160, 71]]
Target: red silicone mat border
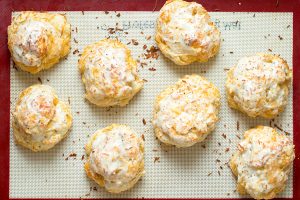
[[7, 6]]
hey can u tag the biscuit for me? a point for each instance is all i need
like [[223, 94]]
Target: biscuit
[[115, 158], [109, 73], [259, 85], [185, 32], [262, 162], [185, 113], [38, 40], [41, 120]]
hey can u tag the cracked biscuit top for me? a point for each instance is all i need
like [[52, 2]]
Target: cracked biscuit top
[[185, 32]]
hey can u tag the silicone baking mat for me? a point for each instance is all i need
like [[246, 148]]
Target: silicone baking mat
[[198, 172]]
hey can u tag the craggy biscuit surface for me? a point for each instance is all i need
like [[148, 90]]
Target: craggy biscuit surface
[[185, 32], [259, 85], [262, 162], [38, 40], [41, 120], [115, 158], [109, 73], [185, 113]]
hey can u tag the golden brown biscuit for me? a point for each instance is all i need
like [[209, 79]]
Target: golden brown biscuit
[[185, 113], [259, 85], [109, 73], [41, 120], [262, 162], [38, 40], [115, 158], [185, 32]]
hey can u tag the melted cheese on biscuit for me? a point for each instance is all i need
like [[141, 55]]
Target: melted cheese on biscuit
[[185, 29], [186, 112], [258, 85], [116, 155], [263, 162], [109, 73], [38, 40], [36, 109], [32, 42], [41, 119]]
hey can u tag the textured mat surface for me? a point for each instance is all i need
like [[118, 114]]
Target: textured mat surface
[[199, 171]]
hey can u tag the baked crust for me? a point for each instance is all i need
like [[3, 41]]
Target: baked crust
[[41, 120], [185, 113], [38, 40], [109, 73], [185, 32], [259, 85], [115, 158], [262, 162]]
